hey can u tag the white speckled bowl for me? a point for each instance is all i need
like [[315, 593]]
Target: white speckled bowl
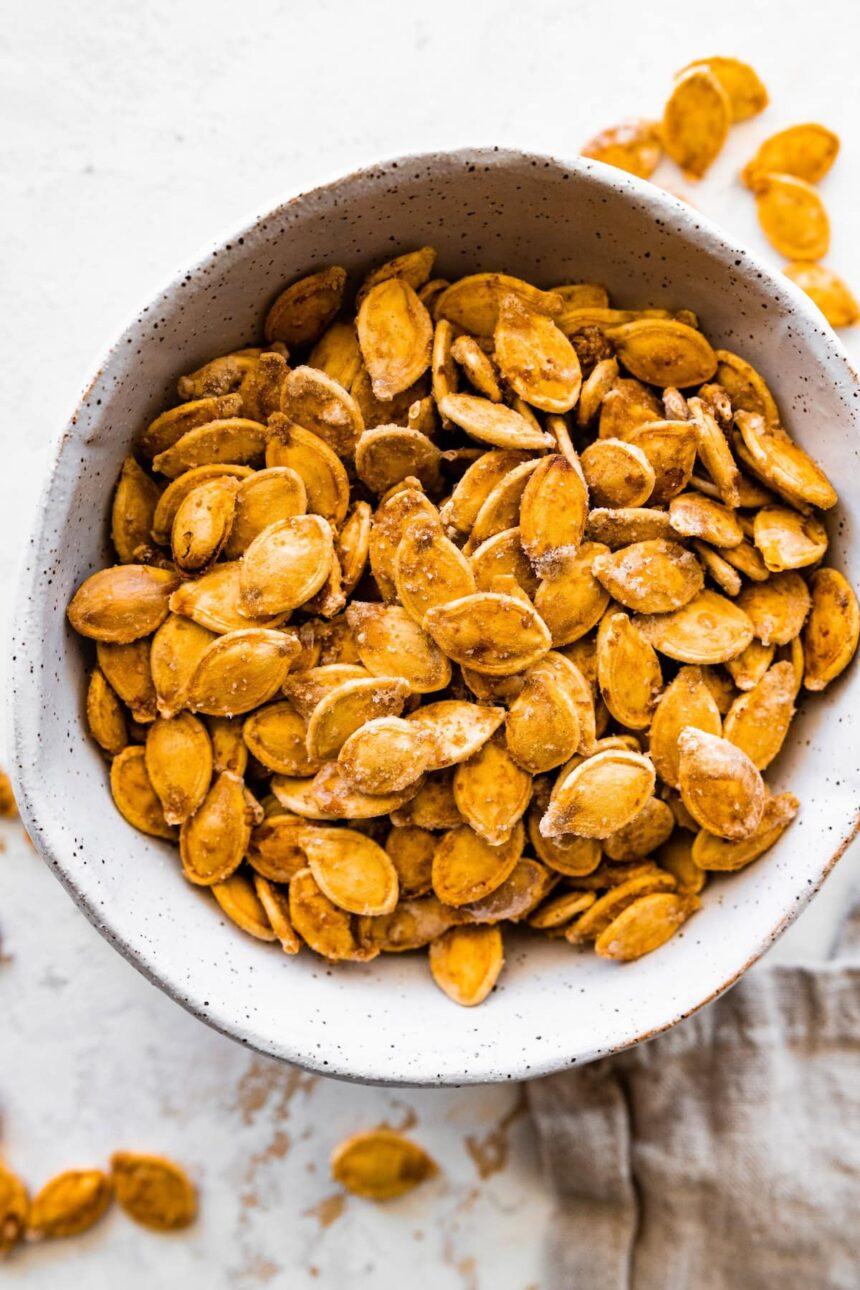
[[549, 221]]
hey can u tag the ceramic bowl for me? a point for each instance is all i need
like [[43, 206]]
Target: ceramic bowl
[[549, 221]]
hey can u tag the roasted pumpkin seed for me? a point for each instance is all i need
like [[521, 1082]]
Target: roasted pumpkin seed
[[720, 785], [832, 630], [153, 1191], [380, 1165], [726, 856], [466, 962]]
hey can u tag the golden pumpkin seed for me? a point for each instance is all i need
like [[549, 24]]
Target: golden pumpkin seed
[[501, 509], [262, 386], [69, 1204], [128, 669], [696, 121], [230, 440], [645, 925], [634, 145], [792, 216], [493, 423], [410, 850], [491, 791], [747, 95], [351, 870], [274, 851], [457, 729], [542, 728], [277, 736], [337, 353], [693, 516], [328, 930], [122, 603], [827, 290], [748, 668], [14, 1209], [390, 643], [676, 856], [179, 764], [203, 522], [277, 493], [285, 565], [628, 672], [395, 333], [477, 483], [553, 513], [650, 577], [568, 854], [535, 358], [385, 755], [623, 525], [594, 921], [213, 842], [502, 555], [276, 906], [477, 365], [473, 303], [134, 503], [600, 795], [153, 1191], [561, 910], [788, 540], [347, 707], [643, 834], [240, 671], [319, 404], [467, 868], [134, 795], [670, 447], [720, 785], [238, 899], [320, 470], [389, 525], [336, 798], [105, 716], [214, 601], [414, 267], [758, 720], [617, 473], [727, 856], [805, 151], [490, 633], [715, 453], [708, 629], [218, 377], [305, 308], [832, 630], [168, 429], [429, 569], [465, 963], [380, 1165], [776, 608], [517, 896], [626, 405]]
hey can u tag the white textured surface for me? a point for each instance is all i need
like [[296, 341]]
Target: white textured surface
[[132, 135]]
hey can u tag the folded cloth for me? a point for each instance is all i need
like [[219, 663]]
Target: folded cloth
[[723, 1155]]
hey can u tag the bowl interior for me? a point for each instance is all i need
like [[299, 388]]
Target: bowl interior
[[550, 222]]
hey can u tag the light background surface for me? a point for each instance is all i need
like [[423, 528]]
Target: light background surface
[[130, 136]]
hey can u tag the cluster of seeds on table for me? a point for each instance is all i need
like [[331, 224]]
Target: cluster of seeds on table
[[153, 1191], [466, 603], [707, 98]]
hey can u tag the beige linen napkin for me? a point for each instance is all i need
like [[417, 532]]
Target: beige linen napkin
[[723, 1155]]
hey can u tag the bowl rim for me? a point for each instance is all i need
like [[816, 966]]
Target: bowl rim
[[33, 805]]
